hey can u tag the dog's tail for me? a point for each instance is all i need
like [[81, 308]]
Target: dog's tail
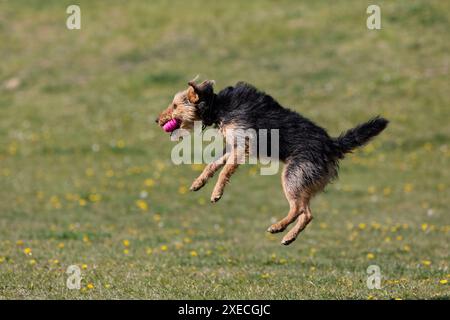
[[359, 135]]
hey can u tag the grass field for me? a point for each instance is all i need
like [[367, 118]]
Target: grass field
[[86, 176]]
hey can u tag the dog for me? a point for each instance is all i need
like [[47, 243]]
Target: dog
[[310, 155]]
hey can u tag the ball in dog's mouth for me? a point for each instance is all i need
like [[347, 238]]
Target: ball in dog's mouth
[[171, 125]]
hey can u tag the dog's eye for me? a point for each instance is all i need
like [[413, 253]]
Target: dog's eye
[[175, 106]]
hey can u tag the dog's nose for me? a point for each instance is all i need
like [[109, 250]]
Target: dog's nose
[[156, 120]]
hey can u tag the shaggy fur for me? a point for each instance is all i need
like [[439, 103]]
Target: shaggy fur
[[310, 154]]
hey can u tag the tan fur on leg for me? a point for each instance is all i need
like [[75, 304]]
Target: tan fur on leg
[[294, 211], [208, 172], [301, 224], [295, 208], [234, 159], [224, 177]]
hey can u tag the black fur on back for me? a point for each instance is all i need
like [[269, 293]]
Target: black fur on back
[[300, 138]]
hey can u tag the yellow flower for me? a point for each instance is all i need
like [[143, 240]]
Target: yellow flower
[[424, 226], [371, 190], [428, 146], [27, 251], [90, 286], [164, 247], [82, 202], [54, 200], [149, 182], [89, 172], [69, 197], [265, 275], [408, 187], [376, 225], [126, 251], [84, 266], [149, 251], [61, 245], [443, 281], [182, 190], [141, 204], [387, 191], [19, 242], [120, 144], [399, 238], [193, 253], [426, 262], [406, 248], [187, 240], [109, 173], [197, 167], [32, 262], [85, 238], [370, 256], [12, 149], [55, 261], [253, 171], [95, 197], [2, 259], [362, 226], [126, 243], [156, 217]]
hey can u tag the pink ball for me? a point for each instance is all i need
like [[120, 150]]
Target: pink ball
[[171, 125]]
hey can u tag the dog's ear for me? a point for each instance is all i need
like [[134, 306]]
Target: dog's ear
[[192, 95], [200, 91]]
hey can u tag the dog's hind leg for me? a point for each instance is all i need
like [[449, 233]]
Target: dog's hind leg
[[208, 172], [289, 180], [311, 179], [301, 224]]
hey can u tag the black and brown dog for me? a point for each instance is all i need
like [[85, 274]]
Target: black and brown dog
[[311, 156]]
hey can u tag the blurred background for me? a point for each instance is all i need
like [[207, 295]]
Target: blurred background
[[86, 177]]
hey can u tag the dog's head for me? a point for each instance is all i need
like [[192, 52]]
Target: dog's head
[[186, 106]]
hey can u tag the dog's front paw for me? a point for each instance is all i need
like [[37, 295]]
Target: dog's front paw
[[216, 195], [275, 228], [288, 239], [197, 185]]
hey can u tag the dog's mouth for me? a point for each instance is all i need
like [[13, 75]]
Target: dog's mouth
[[171, 125]]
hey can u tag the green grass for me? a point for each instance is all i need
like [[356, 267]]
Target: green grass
[[100, 88]]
